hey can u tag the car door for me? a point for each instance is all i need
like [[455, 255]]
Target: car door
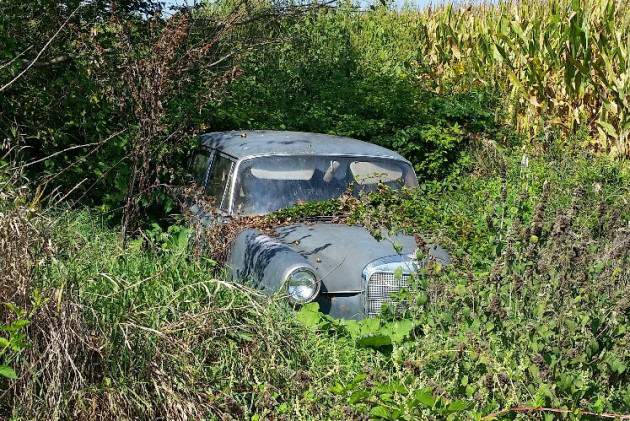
[[219, 181]]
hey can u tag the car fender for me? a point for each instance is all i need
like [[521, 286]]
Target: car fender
[[262, 261]]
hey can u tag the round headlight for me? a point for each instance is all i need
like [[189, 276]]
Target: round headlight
[[302, 286]]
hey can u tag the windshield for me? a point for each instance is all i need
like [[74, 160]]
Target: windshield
[[269, 183]]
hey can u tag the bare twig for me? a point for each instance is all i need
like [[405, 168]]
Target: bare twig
[[70, 192], [8, 63], [28, 164], [26, 69]]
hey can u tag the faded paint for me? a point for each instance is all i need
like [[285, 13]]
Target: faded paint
[[250, 143], [341, 256]]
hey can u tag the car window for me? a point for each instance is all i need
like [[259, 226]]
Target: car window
[[199, 167], [375, 172], [218, 181], [265, 184]]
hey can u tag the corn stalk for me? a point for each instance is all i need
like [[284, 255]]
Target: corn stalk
[[556, 63]]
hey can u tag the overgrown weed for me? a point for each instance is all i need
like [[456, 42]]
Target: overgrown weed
[[532, 312]]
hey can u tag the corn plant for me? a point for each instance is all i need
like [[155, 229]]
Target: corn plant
[[556, 64]]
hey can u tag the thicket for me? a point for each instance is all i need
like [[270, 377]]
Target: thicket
[[496, 107], [533, 312], [553, 65], [127, 87]]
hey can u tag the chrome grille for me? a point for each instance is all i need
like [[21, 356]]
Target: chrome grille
[[382, 288]]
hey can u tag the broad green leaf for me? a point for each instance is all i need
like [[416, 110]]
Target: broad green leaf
[[337, 389], [369, 326], [359, 378], [358, 396], [399, 330], [18, 324], [353, 327], [422, 298], [18, 311], [437, 268], [309, 315], [375, 341], [381, 412], [424, 398], [182, 239], [458, 406], [8, 372], [310, 307]]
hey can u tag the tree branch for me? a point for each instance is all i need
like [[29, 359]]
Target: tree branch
[[42, 50], [8, 63], [28, 164]]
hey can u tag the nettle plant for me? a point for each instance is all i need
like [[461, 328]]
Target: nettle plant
[[14, 338], [532, 313]]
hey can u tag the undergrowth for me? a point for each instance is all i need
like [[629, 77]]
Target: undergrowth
[[532, 313]]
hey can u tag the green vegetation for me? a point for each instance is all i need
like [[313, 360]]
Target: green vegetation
[[554, 65], [515, 117], [520, 318]]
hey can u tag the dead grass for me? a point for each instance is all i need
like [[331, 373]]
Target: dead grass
[[99, 352], [24, 245]]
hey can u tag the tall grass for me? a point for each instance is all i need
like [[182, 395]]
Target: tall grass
[[533, 311], [139, 333]]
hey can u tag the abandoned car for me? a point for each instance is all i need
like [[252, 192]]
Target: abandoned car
[[343, 268]]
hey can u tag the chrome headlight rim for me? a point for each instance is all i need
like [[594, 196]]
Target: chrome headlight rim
[[316, 288]]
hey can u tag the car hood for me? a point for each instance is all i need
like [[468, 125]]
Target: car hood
[[339, 252]]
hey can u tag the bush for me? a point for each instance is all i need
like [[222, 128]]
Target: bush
[[322, 79], [533, 312]]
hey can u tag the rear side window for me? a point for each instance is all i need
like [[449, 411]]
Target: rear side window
[[218, 181], [199, 166]]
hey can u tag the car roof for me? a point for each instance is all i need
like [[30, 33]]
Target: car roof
[[250, 143]]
